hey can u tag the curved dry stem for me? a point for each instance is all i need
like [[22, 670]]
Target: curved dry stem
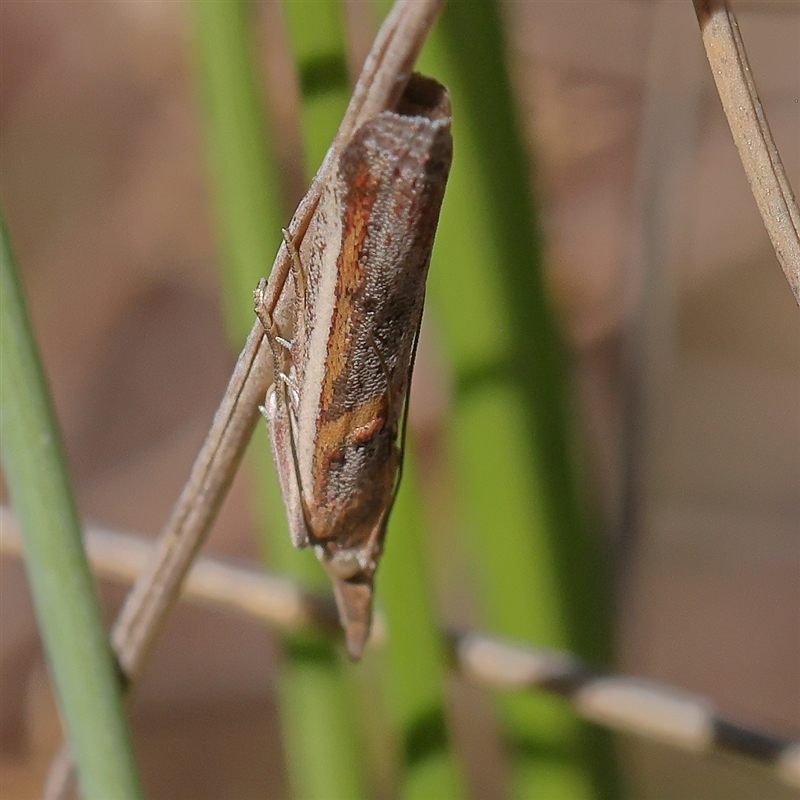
[[385, 74], [751, 133], [156, 590], [640, 707]]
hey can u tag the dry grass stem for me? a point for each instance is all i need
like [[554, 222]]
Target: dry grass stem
[[156, 590], [622, 703], [385, 73], [248, 591], [751, 133]]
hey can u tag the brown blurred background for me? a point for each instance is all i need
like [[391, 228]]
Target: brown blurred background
[[105, 193]]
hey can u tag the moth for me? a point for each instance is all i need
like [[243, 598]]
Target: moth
[[344, 338]]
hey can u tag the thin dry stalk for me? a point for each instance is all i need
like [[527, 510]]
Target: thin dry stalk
[[751, 133], [275, 600], [386, 71], [383, 79], [622, 703]]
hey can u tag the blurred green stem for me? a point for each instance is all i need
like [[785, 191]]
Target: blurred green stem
[[537, 567], [416, 661], [249, 198], [415, 653], [78, 654]]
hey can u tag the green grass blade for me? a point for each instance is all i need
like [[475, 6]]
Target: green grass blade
[[317, 42], [78, 653], [415, 654], [538, 574], [318, 715], [249, 200], [323, 758]]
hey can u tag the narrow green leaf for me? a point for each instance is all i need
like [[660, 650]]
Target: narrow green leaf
[[416, 660], [415, 654], [249, 207], [538, 574], [317, 41], [78, 653]]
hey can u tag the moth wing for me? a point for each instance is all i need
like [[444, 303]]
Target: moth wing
[[280, 434], [352, 573], [354, 603]]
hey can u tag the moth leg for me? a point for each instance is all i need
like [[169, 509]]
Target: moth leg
[[298, 272], [291, 386], [277, 343]]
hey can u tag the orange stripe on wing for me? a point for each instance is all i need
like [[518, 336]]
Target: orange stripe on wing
[[350, 278]]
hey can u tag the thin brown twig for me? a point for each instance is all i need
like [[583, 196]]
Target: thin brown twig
[[385, 73], [748, 123], [622, 703], [146, 608]]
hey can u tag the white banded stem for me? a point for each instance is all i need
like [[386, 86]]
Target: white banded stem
[[626, 704]]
